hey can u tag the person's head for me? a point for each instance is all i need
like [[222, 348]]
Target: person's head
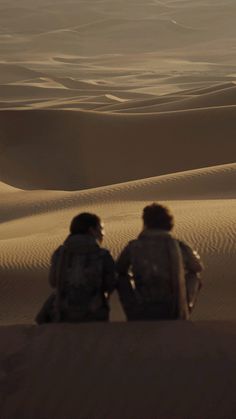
[[156, 216], [86, 223]]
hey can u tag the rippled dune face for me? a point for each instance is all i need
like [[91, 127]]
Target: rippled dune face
[[106, 106]]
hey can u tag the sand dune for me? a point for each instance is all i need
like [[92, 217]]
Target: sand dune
[[165, 370], [217, 95], [27, 244], [107, 106], [224, 97], [167, 26], [35, 222], [216, 182], [62, 139], [212, 89], [67, 74], [27, 91], [10, 73], [136, 104]]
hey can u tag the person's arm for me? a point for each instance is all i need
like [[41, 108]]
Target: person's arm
[[123, 262], [191, 258], [109, 273], [193, 267], [53, 270]]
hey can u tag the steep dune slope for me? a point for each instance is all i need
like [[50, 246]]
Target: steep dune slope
[[76, 150]]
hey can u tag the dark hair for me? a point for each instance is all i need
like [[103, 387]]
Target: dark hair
[[83, 222], [158, 217]]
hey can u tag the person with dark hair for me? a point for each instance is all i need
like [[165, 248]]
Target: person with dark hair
[[158, 275], [85, 223], [82, 273]]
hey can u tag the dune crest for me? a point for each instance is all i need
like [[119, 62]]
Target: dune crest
[[52, 140]]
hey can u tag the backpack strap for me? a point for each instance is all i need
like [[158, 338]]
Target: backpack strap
[[178, 279]]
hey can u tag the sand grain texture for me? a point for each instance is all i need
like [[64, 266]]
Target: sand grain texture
[[165, 369]]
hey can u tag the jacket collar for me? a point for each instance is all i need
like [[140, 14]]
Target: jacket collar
[[84, 242], [152, 233]]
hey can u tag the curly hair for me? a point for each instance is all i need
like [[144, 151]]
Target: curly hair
[[156, 216]]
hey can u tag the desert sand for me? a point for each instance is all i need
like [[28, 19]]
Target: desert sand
[[170, 370], [106, 106]]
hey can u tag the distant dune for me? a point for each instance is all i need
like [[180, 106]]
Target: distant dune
[[75, 150], [223, 97]]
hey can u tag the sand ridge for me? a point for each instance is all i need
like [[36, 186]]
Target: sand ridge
[[217, 182], [224, 97]]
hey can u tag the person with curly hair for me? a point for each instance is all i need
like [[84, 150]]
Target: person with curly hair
[[158, 275]]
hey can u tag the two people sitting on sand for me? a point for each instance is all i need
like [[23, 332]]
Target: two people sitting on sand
[[156, 275]]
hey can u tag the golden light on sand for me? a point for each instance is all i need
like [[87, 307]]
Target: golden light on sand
[[106, 106]]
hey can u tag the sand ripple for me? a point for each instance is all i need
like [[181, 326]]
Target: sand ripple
[[204, 204]]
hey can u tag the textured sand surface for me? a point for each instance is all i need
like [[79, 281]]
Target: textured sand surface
[[107, 106], [35, 222], [154, 370]]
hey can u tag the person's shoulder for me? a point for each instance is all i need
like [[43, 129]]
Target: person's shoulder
[[105, 256], [131, 244], [188, 250], [58, 251], [104, 252]]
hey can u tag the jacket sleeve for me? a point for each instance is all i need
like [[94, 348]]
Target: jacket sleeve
[[53, 270], [191, 259], [109, 273], [123, 261]]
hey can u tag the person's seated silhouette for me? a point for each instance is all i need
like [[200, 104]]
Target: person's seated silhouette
[[158, 274], [83, 275]]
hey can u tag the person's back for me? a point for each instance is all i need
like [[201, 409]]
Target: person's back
[[82, 273], [85, 280], [152, 271]]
